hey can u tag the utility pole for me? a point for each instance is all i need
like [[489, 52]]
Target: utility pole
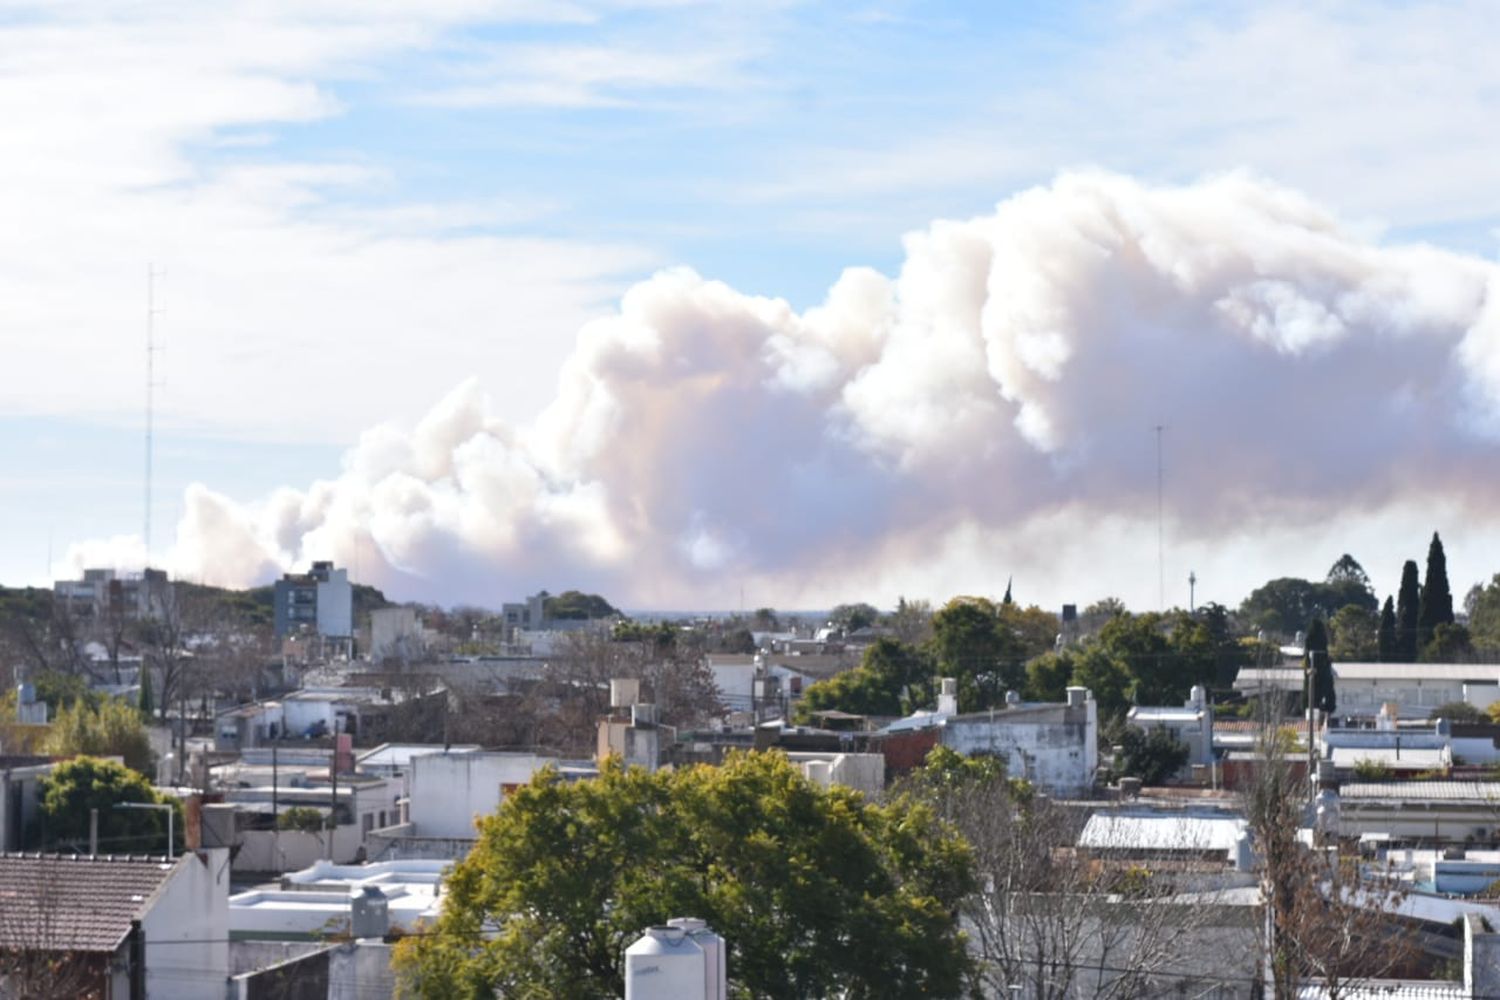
[[1192, 586], [151, 312]]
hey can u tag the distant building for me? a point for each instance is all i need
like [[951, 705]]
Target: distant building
[[396, 634], [105, 593], [525, 616], [1054, 746], [1191, 724], [320, 602]]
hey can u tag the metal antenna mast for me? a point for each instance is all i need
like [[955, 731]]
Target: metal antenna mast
[[151, 312], [1161, 564]]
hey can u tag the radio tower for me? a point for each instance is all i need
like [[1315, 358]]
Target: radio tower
[[1161, 562], [151, 312]]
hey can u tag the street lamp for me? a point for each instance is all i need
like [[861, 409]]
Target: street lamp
[[153, 805]]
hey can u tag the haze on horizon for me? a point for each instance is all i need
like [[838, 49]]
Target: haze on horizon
[[480, 298]]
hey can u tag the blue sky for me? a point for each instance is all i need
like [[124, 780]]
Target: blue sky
[[358, 207]]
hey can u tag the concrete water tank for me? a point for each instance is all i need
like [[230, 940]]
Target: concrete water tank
[[369, 913], [666, 964]]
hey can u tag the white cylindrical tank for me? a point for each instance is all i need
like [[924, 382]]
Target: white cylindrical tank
[[665, 964], [715, 962]]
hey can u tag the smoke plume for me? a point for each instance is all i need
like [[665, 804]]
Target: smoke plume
[[987, 409]]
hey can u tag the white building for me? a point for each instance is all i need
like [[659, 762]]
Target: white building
[[1054, 746], [450, 790], [1191, 724], [395, 633], [314, 902], [1362, 688]]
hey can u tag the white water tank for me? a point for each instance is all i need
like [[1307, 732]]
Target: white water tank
[[715, 961], [666, 964]]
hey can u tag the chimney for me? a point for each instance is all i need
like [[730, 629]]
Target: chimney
[[1012, 699], [624, 692], [1077, 697], [948, 696], [343, 753]]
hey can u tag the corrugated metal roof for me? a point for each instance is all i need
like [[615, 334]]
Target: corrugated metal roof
[[1431, 791], [1140, 831], [67, 903]]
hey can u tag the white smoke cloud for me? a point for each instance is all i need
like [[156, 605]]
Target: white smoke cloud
[[913, 431]]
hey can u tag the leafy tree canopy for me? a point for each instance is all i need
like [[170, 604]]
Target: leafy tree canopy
[[76, 786], [853, 617], [113, 729], [1348, 570], [1152, 756], [892, 678], [819, 892], [1355, 635], [1286, 604], [1459, 711], [573, 605]]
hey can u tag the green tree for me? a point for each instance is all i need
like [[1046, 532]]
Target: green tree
[[1408, 600], [1354, 634], [1281, 605], [1153, 756], [1048, 676], [1346, 569], [1459, 711], [114, 729], [1141, 645], [1450, 644], [1386, 645], [1317, 659], [892, 678], [853, 617], [1483, 605], [1435, 606], [1104, 676], [819, 892], [76, 786], [970, 646], [572, 605]]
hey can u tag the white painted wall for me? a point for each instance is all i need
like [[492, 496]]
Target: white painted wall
[[448, 790], [735, 682], [192, 910], [299, 715], [336, 604], [1059, 757]]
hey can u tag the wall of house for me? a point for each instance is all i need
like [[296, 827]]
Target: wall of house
[[187, 930], [449, 790], [735, 682], [1058, 750], [360, 969], [300, 715]]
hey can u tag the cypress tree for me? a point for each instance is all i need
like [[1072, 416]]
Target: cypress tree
[[1408, 598], [1315, 657], [1436, 606], [146, 704], [1386, 638]]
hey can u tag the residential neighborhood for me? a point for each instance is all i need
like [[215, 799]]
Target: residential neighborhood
[[309, 795]]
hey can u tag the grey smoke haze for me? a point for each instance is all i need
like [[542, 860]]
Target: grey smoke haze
[[986, 411]]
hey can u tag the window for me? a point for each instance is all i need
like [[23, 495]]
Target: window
[[367, 823]]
